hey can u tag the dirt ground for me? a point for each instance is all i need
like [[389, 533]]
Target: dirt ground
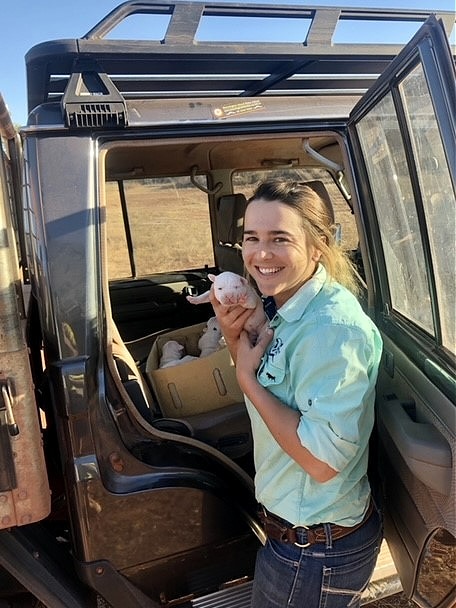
[[395, 601]]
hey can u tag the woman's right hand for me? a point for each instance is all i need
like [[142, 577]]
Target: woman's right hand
[[232, 320]]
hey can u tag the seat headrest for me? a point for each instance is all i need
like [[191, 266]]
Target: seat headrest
[[319, 188], [230, 218]]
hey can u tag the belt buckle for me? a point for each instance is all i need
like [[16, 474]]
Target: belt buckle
[[299, 545]]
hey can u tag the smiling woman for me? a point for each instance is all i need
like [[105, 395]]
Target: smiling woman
[[309, 385]]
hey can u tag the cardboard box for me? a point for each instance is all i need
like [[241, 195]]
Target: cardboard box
[[197, 386]]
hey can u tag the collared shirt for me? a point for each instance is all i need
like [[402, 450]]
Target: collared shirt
[[323, 362]]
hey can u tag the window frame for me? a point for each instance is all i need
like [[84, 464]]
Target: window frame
[[426, 350]]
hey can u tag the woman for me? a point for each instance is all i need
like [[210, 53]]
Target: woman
[[309, 388]]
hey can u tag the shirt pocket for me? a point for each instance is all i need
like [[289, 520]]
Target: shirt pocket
[[270, 374]]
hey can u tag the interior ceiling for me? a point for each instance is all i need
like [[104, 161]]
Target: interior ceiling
[[141, 160]]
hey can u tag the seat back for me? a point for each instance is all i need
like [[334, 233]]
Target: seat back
[[230, 211], [130, 376]]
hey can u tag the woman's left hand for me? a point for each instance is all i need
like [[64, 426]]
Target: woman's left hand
[[249, 355], [232, 320]]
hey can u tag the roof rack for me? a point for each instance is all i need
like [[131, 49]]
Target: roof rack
[[100, 70]]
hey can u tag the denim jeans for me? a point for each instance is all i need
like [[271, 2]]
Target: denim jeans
[[331, 575]]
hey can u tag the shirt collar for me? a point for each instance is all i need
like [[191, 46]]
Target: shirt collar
[[294, 308]]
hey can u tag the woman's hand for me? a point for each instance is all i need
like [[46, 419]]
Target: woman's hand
[[249, 357], [232, 320]]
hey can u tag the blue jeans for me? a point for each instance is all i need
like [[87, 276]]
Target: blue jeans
[[331, 575]]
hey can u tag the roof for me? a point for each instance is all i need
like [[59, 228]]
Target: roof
[[180, 65]]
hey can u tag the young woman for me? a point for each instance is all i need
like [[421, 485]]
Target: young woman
[[309, 388]]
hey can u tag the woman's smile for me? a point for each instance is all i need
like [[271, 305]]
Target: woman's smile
[[268, 271]]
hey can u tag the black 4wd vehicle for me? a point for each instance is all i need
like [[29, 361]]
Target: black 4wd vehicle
[[126, 188]]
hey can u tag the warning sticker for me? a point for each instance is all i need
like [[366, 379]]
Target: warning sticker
[[235, 109]]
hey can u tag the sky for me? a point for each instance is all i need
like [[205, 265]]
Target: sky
[[29, 22]]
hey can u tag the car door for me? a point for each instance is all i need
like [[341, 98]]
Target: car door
[[24, 488], [402, 138]]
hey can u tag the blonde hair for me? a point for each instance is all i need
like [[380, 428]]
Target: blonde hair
[[311, 201]]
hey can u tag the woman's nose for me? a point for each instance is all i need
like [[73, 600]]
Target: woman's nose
[[264, 252]]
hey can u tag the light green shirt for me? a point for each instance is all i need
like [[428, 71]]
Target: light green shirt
[[322, 361]]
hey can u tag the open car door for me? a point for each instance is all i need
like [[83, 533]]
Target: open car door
[[403, 135], [24, 488]]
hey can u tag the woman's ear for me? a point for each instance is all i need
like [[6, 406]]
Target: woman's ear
[[316, 256]]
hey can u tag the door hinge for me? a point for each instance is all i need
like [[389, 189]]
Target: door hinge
[[7, 406], [8, 429]]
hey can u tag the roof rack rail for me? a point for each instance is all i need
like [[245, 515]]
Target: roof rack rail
[[180, 65]]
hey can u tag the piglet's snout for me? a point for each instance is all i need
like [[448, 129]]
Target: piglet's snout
[[230, 300]]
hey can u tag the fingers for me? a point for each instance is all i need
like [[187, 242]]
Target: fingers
[[261, 342], [249, 355], [237, 316], [231, 316], [264, 338]]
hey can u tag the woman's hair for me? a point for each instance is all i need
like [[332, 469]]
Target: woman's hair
[[311, 201]]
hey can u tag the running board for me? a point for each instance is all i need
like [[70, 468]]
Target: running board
[[240, 595], [232, 597]]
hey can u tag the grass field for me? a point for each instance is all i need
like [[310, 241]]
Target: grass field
[[170, 230], [170, 227]]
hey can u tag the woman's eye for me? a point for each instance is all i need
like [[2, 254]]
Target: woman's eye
[[250, 239]]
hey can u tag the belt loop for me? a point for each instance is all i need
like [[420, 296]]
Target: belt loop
[[328, 532]]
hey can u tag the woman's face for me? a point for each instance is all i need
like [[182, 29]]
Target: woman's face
[[276, 250]]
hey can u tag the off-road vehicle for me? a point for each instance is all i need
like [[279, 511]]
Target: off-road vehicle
[[124, 487]]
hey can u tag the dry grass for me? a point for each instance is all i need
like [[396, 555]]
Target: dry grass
[[171, 228]]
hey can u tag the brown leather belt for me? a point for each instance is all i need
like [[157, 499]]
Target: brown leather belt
[[304, 536]]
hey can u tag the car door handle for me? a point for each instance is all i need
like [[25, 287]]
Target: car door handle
[[421, 445]]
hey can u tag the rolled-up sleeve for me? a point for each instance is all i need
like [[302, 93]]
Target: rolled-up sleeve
[[334, 393]]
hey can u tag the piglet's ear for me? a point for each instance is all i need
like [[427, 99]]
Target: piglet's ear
[[211, 277], [243, 280]]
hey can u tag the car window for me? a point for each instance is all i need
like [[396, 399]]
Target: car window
[[415, 207], [157, 225], [437, 195]]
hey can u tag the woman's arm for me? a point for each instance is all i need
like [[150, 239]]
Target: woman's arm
[[281, 421]]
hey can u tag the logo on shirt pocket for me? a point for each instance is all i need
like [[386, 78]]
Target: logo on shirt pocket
[[270, 374], [275, 349], [272, 369]]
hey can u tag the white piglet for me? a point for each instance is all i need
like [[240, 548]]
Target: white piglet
[[173, 354], [209, 341], [231, 289]]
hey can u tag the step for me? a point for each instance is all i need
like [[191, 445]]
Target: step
[[384, 582]]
